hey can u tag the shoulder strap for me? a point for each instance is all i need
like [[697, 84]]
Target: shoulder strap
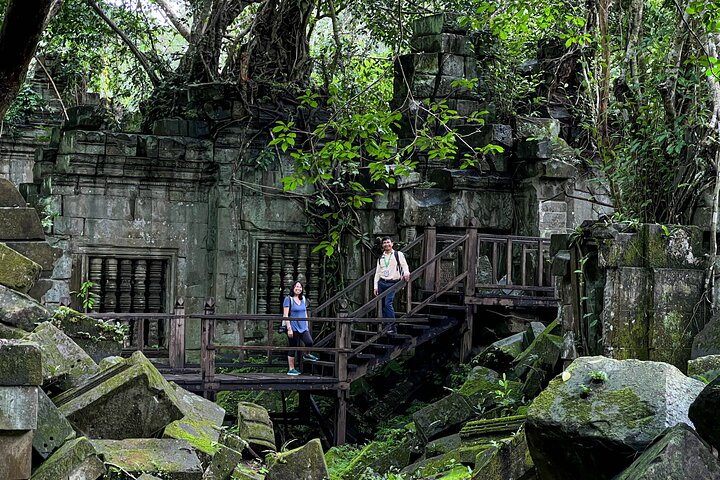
[[397, 262]]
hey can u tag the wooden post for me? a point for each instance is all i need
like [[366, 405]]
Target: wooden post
[[177, 336], [341, 416], [508, 262], [540, 264], [342, 341], [139, 323], [241, 333], [471, 254], [429, 253], [207, 350]]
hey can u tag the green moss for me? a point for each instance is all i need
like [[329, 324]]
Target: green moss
[[199, 434]]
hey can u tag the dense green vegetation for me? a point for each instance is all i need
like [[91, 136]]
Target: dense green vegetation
[[636, 79]]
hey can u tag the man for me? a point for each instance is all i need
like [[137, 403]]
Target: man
[[391, 267]]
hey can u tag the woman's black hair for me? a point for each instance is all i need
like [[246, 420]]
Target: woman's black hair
[[292, 289]]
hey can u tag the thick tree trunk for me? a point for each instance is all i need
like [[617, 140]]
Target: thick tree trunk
[[22, 27], [279, 47]]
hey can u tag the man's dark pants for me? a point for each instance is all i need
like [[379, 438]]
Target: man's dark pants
[[388, 311]]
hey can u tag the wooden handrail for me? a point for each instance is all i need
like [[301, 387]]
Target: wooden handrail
[[413, 276], [359, 281]]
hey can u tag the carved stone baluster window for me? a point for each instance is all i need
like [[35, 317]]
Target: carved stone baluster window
[[262, 279]]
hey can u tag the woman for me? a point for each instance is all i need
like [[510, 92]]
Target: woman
[[295, 307]]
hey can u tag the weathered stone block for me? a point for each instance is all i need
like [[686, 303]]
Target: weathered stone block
[[625, 318], [53, 429], [676, 295], [82, 142], [121, 144], [442, 43], [84, 117], [202, 435], [171, 148], [223, 463], [20, 224], [76, 459], [494, 209], [255, 427], [19, 310], [63, 360], [39, 252], [170, 127], [20, 364], [509, 459], [18, 408], [679, 455], [595, 429], [16, 270], [304, 463], [708, 367], [440, 23], [532, 127], [9, 195], [171, 459], [133, 389], [442, 416], [98, 338], [16, 457]]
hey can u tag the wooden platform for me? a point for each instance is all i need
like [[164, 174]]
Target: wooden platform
[[256, 381]]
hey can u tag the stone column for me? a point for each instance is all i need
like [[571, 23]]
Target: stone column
[[20, 378]]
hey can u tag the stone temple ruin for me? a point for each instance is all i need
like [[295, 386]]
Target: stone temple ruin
[[194, 211]]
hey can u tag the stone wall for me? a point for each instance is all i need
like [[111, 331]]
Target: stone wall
[[640, 294], [192, 216]]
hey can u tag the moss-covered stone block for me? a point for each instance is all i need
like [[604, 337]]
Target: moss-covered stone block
[[255, 426], [223, 463], [243, 472], [480, 386], [543, 352], [98, 338], [20, 364], [16, 270], [510, 458], [439, 23], [679, 455], [443, 416], [75, 459], [16, 448], [202, 435], [11, 333], [380, 455], [19, 310], [596, 420], [53, 429], [705, 367], [133, 400], [39, 252], [464, 455], [304, 463], [626, 313], [442, 445], [63, 361], [168, 458]]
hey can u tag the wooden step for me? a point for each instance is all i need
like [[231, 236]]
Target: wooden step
[[444, 306]]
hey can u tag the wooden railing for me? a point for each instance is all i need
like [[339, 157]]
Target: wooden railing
[[512, 259]]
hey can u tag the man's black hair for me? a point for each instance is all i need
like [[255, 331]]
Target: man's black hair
[[386, 238]]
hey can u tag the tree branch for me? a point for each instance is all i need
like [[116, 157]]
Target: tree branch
[[177, 23], [20, 32], [138, 54]]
